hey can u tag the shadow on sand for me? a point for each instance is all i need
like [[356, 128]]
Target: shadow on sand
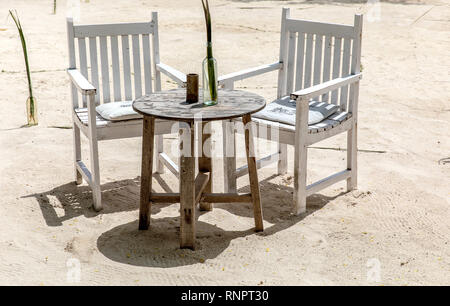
[[159, 246]]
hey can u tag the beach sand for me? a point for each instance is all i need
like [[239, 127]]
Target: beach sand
[[397, 223]]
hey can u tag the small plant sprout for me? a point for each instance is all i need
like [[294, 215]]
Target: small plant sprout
[[31, 102]]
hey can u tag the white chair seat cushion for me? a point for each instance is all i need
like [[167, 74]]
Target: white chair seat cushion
[[283, 111], [117, 111]]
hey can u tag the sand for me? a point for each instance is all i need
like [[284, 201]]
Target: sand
[[394, 230]]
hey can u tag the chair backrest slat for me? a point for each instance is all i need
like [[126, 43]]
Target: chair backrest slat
[[94, 64], [116, 68], [326, 63], [319, 52], [126, 67], [105, 68], [122, 62], [137, 66], [345, 71], [336, 66], [291, 62], [300, 61], [308, 60], [83, 61], [147, 64]]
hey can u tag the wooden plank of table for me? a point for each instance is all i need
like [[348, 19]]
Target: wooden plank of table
[[146, 172], [253, 174], [165, 198], [228, 197], [205, 162], [187, 191], [201, 182]]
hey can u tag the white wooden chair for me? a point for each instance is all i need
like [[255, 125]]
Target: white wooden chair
[[318, 61], [110, 43]]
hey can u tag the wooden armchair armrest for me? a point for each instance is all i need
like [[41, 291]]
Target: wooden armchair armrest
[[248, 73], [319, 89], [172, 73], [80, 82]]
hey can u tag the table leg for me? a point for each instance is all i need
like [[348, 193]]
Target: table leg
[[253, 174], [146, 171], [187, 190], [205, 162]]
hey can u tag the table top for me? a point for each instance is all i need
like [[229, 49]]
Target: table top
[[172, 105]]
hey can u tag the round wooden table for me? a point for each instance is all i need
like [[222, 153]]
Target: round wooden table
[[171, 105]]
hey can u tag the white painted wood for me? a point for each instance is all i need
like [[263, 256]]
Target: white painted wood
[[84, 171], [81, 82], [352, 136], [104, 63], [72, 59], [174, 74], [320, 28], [336, 66], [261, 163], [83, 63], [345, 72], [126, 67], [85, 119], [229, 153], [329, 65], [94, 65], [326, 182], [77, 153], [156, 57], [341, 128], [308, 60], [282, 158], [82, 31], [159, 149], [165, 159], [137, 66], [116, 68], [248, 73], [284, 37], [318, 51], [300, 156], [93, 146], [147, 64], [300, 61], [317, 90], [326, 65], [290, 63]]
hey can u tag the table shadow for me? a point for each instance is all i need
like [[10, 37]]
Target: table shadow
[[160, 245]]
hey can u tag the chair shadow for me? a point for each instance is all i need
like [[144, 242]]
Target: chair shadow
[[159, 246], [74, 201]]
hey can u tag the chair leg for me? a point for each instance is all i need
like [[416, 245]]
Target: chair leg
[[301, 157], [352, 158], [229, 156], [95, 172], [77, 153], [159, 146], [93, 145], [282, 161]]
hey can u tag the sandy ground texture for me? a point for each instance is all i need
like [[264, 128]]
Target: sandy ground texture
[[396, 223]]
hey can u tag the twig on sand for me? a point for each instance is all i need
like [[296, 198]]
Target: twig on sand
[[342, 149], [423, 15]]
